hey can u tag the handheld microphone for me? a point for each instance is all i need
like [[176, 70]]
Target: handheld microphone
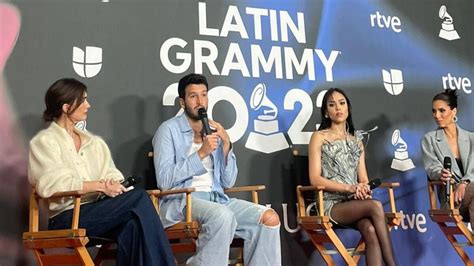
[[127, 183], [131, 181], [205, 122], [375, 183], [447, 166]]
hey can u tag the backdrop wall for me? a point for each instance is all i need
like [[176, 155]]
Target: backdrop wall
[[275, 56]]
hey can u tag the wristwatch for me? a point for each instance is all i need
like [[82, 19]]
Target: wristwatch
[[466, 182]]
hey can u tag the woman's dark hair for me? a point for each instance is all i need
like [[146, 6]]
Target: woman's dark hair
[[190, 79], [449, 96], [63, 91], [326, 121]]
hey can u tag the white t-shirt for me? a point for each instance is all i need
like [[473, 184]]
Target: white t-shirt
[[203, 182]]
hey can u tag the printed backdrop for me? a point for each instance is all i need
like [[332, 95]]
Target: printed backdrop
[[269, 64]]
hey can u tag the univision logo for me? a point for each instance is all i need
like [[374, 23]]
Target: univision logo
[[393, 81], [88, 63]]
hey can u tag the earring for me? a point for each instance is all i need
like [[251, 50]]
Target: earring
[[455, 119], [326, 116]]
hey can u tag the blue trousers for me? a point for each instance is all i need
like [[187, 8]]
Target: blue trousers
[[131, 220]]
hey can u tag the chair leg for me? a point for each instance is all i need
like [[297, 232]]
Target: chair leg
[[322, 250], [84, 255], [340, 247], [240, 257], [358, 250], [462, 254], [38, 253], [101, 253], [464, 257], [317, 240]]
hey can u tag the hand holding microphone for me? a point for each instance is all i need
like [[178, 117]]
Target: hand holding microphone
[[446, 175], [113, 188], [364, 191], [210, 140], [205, 121]]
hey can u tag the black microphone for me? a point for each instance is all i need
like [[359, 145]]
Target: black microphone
[[375, 183], [447, 165], [205, 122], [130, 181]]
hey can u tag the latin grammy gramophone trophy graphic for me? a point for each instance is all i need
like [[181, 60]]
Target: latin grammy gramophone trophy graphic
[[266, 137], [447, 31], [401, 162]]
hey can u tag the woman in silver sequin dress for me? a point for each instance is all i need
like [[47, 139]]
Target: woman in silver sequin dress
[[337, 162]]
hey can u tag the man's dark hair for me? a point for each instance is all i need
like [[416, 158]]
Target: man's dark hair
[[190, 79]]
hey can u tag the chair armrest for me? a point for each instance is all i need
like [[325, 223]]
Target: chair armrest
[[72, 193], [34, 209], [245, 189], [156, 194], [153, 192], [301, 204], [175, 191], [389, 185], [432, 195], [253, 189], [310, 188]]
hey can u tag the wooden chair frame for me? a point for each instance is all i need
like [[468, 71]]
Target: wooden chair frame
[[321, 231], [71, 241], [183, 235], [450, 222]]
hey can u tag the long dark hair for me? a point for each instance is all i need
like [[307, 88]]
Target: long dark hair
[[326, 121], [63, 91]]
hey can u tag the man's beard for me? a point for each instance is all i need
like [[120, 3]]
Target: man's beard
[[190, 114]]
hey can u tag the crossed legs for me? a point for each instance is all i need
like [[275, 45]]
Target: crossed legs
[[369, 218]]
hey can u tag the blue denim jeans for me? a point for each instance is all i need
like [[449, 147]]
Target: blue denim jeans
[[221, 222], [131, 220]]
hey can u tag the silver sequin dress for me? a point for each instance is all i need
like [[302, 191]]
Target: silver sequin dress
[[339, 163]]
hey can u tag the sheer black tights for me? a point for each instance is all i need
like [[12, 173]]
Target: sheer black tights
[[369, 218]]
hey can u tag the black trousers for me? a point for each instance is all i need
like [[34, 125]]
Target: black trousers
[[131, 220]]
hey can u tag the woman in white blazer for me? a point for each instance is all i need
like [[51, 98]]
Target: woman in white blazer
[[64, 158], [449, 140]]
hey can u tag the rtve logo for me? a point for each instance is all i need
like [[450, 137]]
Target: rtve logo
[[393, 81], [393, 22], [459, 83], [87, 64], [413, 221]]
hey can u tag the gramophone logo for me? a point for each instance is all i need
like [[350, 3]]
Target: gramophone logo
[[266, 138], [447, 31], [401, 162], [88, 63]]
